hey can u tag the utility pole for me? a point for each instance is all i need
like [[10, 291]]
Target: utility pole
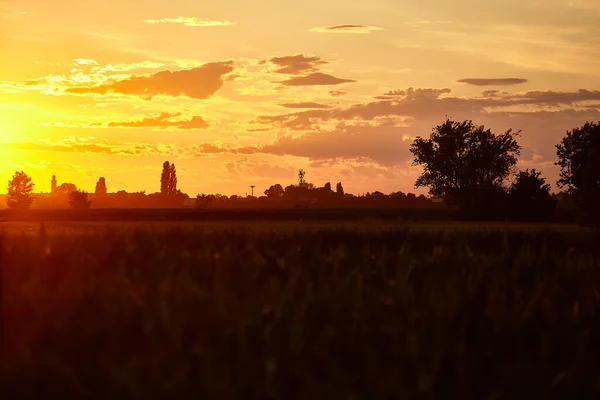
[[252, 187]]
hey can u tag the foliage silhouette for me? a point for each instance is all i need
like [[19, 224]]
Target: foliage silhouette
[[79, 200], [530, 197], [339, 190], [101, 186], [579, 160], [66, 188], [466, 164], [173, 181], [165, 179], [19, 191], [275, 191]]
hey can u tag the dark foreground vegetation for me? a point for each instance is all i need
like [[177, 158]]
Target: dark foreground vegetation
[[441, 214], [304, 311]]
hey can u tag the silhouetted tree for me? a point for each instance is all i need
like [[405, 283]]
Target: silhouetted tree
[[327, 187], [101, 187], [172, 181], [339, 190], [66, 188], [579, 161], [78, 200], [530, 197], [203, 200], [19, 191], [275, 191], [466, 162], [165, 179]]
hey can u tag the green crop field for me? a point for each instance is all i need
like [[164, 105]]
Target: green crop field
[[299, 310]]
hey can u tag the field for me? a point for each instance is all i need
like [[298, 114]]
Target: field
[[300, 310]]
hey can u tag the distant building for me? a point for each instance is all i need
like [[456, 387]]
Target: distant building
[[54, 185]]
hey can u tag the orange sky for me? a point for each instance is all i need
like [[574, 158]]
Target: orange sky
[[239, 93]]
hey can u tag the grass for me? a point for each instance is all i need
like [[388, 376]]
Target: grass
[[300, 310]]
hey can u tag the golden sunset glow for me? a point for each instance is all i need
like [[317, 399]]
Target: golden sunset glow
[[240, 93]]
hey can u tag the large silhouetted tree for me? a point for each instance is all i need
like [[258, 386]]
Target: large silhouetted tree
[[466, 163], [579, 161], [275, 191], [66, 188], [165, 179], [78, 200], [101, 187], [19, 190], [530, 197]]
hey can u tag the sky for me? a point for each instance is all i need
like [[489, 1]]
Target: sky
[[239, 93]]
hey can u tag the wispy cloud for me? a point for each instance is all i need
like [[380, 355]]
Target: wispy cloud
[[337, 93], [191, 21], [493, 81], [346, 29], [306, 104], [163, 121], [315, 79], [84, 61]]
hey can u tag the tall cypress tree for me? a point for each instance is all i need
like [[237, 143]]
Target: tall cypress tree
[[172, 181], [165, 179]]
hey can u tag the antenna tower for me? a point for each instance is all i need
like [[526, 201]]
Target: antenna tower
[[301, 174]]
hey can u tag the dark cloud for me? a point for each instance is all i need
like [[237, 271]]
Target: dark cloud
[[337, 93], [196, 122], [493, 81], [296, 64], [163, 121], [197, 83], [317, 78], [304, 105], [550, 97], [392, 94], [348, 28], [491, 93]]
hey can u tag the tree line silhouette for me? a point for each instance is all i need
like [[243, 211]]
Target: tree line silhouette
[[465, 165]]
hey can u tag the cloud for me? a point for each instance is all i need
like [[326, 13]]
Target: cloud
[[361, 29], [550, 97], [317, 78], [128, 67], [337, 93], [370, 131], [92, 145], [395, 93], [163, 121], [191, 21], [196, 83], [84, 61], [493, 81], [391, 95], [427, 104], [387, 145], [296, 64], [304, 105]]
